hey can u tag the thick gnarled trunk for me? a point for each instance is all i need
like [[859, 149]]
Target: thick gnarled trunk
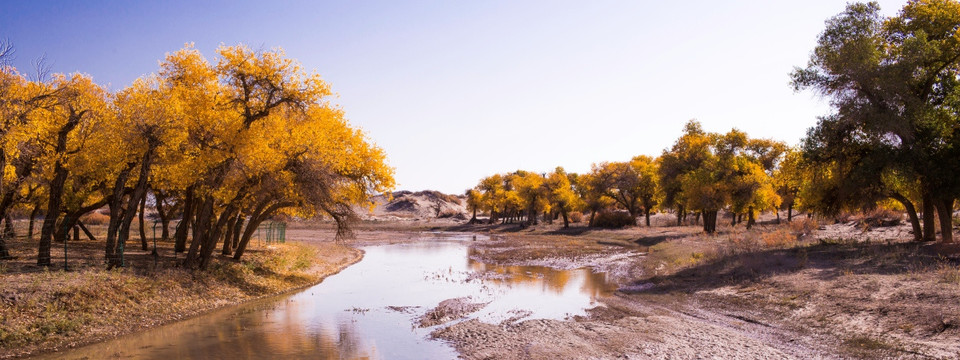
[[710, 221]]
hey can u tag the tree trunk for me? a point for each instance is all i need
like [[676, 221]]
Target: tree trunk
[[53, 211], [4, 252], [164, 212], [247, 234], [143, 232], [750, 218], [929, 228], [261, 213], [86, 231], [63, 228], [33, 217], [790, 213], [255, 219], [945, 210], [122, 236], [216, 232], [710, 221], [8, 230], [237, 228], [228, 237], [200, 231], [647, 215], [184, 226], [116, 214], [912, 213], [11, 190], [165, 229]]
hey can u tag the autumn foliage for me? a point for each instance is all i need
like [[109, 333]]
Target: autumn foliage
[[891, 143], [222, 145], [702, 173]]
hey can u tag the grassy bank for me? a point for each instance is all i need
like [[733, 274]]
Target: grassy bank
[[48, 309]]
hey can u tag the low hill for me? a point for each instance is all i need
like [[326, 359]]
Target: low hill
[[408, 205]]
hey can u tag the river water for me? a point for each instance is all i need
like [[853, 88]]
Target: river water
[[369, 310]]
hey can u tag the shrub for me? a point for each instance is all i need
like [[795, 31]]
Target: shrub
[[741, 243], [449, 213], [95, 218], [575, 217], [613, 220], [881, 217], [779, 238], [803, 226]]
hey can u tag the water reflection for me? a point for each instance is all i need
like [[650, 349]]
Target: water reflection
[[270, 328], [368, 311], [547, 279]]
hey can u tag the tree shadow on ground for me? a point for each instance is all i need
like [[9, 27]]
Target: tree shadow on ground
[[573, 230], [481, 228], [656, 239]]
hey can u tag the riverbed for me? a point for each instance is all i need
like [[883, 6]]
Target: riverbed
[[373, 309]]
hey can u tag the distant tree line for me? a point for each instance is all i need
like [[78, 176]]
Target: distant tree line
[[702, 173]]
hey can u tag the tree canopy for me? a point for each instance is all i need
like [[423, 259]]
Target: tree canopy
[[227, 144]]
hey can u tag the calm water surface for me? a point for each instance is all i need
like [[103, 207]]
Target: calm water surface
[[368, 310]]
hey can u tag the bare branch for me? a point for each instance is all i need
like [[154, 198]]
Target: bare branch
[[7, 52], [41, 68]]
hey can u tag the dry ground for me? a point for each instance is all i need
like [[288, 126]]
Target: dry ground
[[777, 291]]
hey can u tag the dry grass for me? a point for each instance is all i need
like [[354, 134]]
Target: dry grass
[[803, 226], [870, 299], [95, 218], [52, 308]]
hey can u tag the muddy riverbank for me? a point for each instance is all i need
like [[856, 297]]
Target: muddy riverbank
[[796, 290]]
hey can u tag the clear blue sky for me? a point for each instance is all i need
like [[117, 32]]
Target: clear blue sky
[[457, 90]]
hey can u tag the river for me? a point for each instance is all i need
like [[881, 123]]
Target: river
[[369, 310]]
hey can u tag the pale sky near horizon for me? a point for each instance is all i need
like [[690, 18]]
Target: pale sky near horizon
[[458, 90]]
